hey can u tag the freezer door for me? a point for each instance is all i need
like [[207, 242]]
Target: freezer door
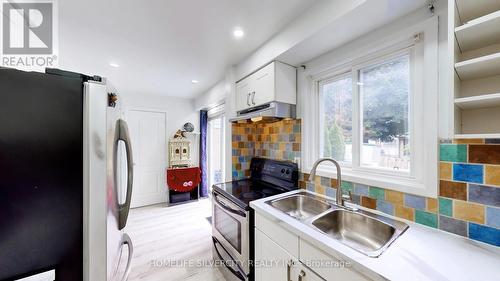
[[95, 183], [105, 135]]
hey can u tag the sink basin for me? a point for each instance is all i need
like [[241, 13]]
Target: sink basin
[[364, 233], [300, 206]]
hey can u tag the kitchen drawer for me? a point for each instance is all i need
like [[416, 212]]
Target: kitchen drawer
[[284, 238], [324, 264]]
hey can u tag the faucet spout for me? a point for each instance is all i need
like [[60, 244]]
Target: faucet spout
[[338, 194]]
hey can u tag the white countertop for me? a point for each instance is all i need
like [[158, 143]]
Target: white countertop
[[420, 253]]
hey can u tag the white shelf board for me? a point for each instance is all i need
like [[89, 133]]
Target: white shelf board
[[479, 67], [482, 101], [471, 9], [479, 32], [477, 136]]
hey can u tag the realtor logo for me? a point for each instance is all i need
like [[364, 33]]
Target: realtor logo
[[28, 34], [27, 28]]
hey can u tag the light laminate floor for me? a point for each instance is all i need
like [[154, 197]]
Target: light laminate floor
[[172, 243]]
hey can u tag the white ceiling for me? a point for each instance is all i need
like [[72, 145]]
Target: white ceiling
[[161, 45]]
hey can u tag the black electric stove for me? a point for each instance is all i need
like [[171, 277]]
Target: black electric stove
[[233, 220], [268, 178]]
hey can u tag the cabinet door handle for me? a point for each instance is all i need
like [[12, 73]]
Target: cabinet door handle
[[248, 98], [253, 98], [302, 274], [288, 270]]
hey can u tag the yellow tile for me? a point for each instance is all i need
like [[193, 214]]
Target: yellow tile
[[467, 211], [395, 197], [404, 212], [317, 180], [319, 189], [492, 174], [432, 205], [445, 171]]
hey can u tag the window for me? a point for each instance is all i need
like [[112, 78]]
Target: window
[[385, 90], [336, 118], [374, 109]]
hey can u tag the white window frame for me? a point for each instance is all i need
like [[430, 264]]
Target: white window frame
[[421, 42]]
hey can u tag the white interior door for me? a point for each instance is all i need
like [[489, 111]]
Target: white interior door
[[149, 146]]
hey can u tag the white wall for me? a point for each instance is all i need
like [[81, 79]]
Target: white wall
[[307, 24], [179, 111]]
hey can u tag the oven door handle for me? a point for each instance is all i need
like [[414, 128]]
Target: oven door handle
[[236, 273], [227, 208]]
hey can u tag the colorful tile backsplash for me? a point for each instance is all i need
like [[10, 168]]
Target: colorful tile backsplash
[[468, 202], [469, 193], [279, 140]]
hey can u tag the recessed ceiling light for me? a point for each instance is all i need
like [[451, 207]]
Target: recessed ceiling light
[[195, 81], [238, 32], [114, 65]]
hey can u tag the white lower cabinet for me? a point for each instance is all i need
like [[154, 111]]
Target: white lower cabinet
[[271, 261], [282, 256]]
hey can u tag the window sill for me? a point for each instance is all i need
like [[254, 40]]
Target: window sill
[[396, 183]]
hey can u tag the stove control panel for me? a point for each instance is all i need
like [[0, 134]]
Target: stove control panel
[[274, 171]]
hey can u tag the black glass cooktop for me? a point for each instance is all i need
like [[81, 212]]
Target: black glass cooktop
[[242, 192]]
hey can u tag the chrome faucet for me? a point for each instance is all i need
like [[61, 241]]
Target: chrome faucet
[[339, 198]]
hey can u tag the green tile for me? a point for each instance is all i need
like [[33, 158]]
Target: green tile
[[426, 218], [445, 207], [346, 186], [453, 152], [377, 193]]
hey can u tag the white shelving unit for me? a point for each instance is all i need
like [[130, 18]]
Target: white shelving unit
[[479, 67], [478, 33], [476, 102], [474, 26], [472, 9]]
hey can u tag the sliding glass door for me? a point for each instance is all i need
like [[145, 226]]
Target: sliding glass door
[[216, 146]]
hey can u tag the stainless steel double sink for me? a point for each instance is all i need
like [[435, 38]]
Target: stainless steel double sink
[[366, 232]]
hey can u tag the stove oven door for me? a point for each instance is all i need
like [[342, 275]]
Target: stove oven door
[[230, 226]]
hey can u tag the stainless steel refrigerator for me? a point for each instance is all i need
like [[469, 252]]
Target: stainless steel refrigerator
[[63, 199]]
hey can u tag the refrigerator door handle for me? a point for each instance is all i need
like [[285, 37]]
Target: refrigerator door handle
[[123, 135], [127, 241]]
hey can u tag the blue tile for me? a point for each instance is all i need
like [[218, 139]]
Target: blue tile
[[452, 225], [326, 182], [493, 217], [484, 234], [416, 202], [468, 173], [310, 186], [361, 189], [330, 192], [483, 194], [385, 207]]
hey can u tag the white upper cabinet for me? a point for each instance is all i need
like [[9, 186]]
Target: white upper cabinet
[[274, 82]]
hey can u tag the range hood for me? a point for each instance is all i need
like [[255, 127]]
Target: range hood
[[269, 112]]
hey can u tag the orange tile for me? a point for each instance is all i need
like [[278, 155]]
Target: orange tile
[[395, 197], [467, 211], [368, 202], [492, 175], [432, 205], [466, 141], [445, 171], [404, 212]]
